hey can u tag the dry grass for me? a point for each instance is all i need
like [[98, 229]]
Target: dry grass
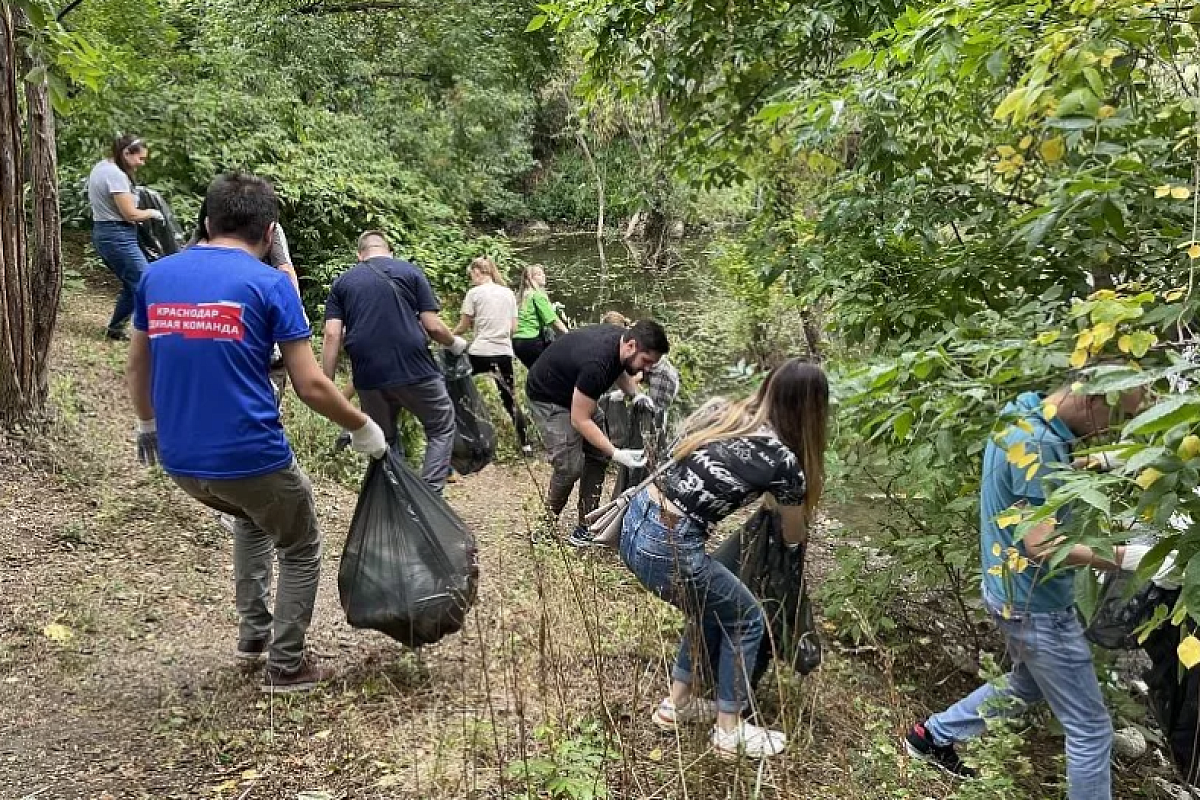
[[557, 669]]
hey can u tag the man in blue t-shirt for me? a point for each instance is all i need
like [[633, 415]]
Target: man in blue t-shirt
[[383, 311], [1031, 602], [205, 321]]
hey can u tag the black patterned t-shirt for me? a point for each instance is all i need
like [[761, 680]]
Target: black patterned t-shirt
[[722, 476]]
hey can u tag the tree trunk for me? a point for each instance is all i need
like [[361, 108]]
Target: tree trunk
[[29, 282]]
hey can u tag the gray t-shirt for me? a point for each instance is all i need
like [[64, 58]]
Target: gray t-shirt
[[106, 180], [276, 257]]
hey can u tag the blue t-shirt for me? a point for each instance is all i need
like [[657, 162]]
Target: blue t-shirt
[[213, 314], [384, 337], [1019, 581]]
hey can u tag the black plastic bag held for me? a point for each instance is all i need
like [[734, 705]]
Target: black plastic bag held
[[409, 568], [1175, 694], [157, 237], [474, 437], [774, 571], [639, 426]]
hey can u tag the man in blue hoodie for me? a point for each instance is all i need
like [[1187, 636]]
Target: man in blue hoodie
[[1031, 603]]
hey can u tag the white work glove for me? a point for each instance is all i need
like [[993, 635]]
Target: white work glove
[[1131, 556], [155, 214], [633, 459], [147, 442], [644, 401], [458, 346], [1167, 576], [369, 440]]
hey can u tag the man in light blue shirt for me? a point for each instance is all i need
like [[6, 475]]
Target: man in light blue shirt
[[1032, 604]]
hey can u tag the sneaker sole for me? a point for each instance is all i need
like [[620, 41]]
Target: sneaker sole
[[662, 723], [925, 758], [250, 659], [735, 755]]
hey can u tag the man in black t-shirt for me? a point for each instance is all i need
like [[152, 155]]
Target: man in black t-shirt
[[564, 386]]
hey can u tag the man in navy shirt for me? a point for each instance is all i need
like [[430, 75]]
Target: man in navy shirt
[[383, 311], [205, 321]]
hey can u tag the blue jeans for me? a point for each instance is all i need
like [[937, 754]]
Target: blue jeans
[[671, 563], [117, 244], [1052, 662]]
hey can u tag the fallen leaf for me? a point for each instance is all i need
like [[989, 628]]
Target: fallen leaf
[[1148, 477], [56, 632], [1189, 652], [1194, 251], [1162, 191], [1181, 192]]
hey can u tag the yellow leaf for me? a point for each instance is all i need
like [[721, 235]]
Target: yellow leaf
[[323, 734], [1008, 519], [1106, 111], [1085, 339], [1015, 453], [1173, 295], [1147, 478], [1194, 251], [1078, 358], [1189, 448], [1101, 334], [58, 633], [1189, 651], [1027, 460], [1047, 337], [1018, 160], [996, 549], [1181, 192], [250, 775], [656, 754], [1052, 150], [1024, 425], [1005, 151], [997, 570], [1103, 294], [1025, 142], [1124, 343], [1029, 473], [1162, 191], [1049, 411]]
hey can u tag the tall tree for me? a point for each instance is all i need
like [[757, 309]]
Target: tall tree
[[30, 243]]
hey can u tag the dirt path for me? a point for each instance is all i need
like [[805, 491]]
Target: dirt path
[[117, 629]]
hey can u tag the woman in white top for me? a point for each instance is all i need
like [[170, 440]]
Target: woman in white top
[[115, 215], [490, 307]]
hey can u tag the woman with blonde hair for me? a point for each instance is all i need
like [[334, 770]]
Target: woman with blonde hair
[[535, 318], [728, 455], [491, 309]]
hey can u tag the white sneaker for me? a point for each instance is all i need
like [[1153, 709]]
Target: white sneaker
[[747, 741], [699, 709]]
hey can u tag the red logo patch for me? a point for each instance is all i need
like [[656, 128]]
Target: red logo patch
[[197, 320]]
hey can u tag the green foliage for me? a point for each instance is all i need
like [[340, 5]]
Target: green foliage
[[572, 767]]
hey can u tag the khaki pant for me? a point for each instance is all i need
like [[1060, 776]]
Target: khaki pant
[[273, 514], [572, 458]]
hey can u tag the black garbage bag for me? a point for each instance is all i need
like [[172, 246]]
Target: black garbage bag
[[1121, 610], [1175, 695], [615, 420], [774, 571], [158, 237], [639, 430], [475, 437], [410, 567]]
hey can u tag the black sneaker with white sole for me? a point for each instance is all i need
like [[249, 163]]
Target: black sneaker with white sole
[[919, 744]]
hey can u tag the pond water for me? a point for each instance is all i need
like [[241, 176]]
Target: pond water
[[586, 286]]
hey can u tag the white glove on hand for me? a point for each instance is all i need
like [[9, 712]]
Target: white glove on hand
[[369, 440], [458, 346], [632, 459], [155, 214], [1132, 555], [1167, 576], [644, 401]]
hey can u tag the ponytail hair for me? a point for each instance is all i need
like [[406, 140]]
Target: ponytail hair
[[528, 284], [488, 267], [793, 402]]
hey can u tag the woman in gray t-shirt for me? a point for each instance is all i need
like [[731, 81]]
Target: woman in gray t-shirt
[[114, 223]]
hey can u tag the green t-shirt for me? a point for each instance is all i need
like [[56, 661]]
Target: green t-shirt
[[535, 313]]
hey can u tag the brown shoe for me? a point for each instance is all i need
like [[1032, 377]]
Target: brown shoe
[[303, 679]]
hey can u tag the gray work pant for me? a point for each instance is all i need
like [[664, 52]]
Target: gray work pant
[[273, 514], [429, 403], [572, 458]]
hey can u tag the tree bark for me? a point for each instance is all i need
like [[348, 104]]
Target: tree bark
[[30, 279]]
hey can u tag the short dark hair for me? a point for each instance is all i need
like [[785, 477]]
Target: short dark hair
[[649, 335], [240, 205], [364, 240]]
